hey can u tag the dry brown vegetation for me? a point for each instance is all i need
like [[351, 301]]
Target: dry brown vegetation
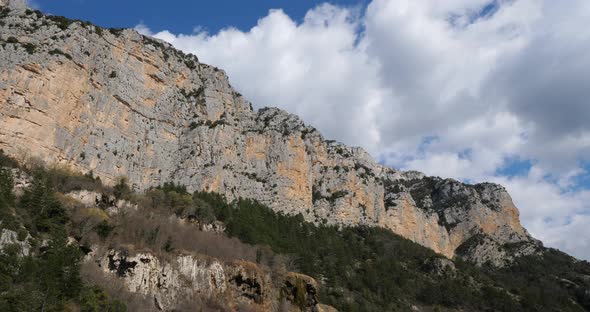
[[161, 225], [167, 234], [165, 225], [116, 289], [167, 222]]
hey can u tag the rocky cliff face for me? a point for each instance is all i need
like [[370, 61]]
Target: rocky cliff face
[[117, 103], [184, 277]]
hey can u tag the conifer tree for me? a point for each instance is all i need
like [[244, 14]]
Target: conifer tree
[[40, 202]]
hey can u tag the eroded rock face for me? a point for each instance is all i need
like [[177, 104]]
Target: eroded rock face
[[186, 276], [17, 5], [483, 249], [10, 237], [21, 181], [120, 104], [302, 291], [92, 199]]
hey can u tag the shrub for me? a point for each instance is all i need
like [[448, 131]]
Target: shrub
[[217, 123], [116, 31], [60, 21], [30, 48], [203, 211], [192, 94], [172, 187], [121, 189], [6, 161], [4, 11], [6, 185], [168, 245], [6, 199], [98, 30], [190, 64], [60, 52], [95, 299], [104, 229], [65, 180]]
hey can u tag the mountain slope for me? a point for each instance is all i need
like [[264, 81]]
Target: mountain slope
[[164, 249], [117, 103]]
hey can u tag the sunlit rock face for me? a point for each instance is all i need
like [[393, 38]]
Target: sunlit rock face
[[15, 5], [185, 277], [120, 104]]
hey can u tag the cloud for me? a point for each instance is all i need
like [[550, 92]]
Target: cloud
[[545, 84], [453, 88], [33, 4]]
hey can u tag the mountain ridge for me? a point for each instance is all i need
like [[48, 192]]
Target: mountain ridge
[[134, 106]]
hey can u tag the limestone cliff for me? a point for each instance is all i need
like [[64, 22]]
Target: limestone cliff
[[185, 277], [117, 103]]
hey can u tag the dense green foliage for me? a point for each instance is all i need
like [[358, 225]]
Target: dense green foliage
[[6, 198], [60, 52], [543, 283], [48, 278], [46, 213], [371, 269]]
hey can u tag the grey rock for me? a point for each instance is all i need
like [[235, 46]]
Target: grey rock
[[440, 266], [17, 6], [21, 180], [483, 249], [91, 199], [10, 237], [180, 277]]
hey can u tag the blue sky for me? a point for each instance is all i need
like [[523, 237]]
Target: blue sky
[[476, 90], [180, 16]]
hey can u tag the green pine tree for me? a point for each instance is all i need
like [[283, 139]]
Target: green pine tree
[[40, 202]]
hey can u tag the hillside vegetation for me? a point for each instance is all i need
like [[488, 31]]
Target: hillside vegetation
[[360, 268], [48, 278], [372, 269]]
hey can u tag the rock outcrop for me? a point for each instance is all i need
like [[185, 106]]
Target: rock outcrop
[[185, 277], [10, 237], [108, 203], [117, 103]]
